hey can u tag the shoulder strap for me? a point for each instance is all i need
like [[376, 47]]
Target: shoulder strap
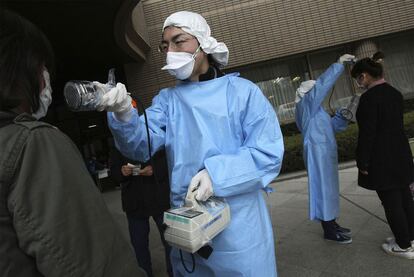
[[8, 162]]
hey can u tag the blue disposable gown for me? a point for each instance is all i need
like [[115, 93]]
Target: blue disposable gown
[[227, 126], [319, 146]]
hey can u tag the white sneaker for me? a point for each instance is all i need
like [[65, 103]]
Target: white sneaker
[[392, 240], [393, 249]]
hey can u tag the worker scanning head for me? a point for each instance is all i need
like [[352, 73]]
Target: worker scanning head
[[319, 149]]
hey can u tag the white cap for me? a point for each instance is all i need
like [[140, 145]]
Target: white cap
[[304, 88], [196, 25]]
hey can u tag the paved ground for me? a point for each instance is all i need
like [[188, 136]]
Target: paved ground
[[300, 247]]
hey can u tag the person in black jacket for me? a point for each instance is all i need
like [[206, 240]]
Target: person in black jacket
[[384, 158], [145, 193]]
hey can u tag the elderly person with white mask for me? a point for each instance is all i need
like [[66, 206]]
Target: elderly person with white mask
[[221, 136], [53, 220]]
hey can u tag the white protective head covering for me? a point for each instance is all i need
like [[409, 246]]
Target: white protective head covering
[[304, 88], [196, 25]]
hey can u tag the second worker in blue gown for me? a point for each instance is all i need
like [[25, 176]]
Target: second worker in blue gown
[[318, 129]]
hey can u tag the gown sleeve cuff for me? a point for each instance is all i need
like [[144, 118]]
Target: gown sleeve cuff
[[123, 116]]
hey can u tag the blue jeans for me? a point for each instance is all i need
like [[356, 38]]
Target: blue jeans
[[139, 231]]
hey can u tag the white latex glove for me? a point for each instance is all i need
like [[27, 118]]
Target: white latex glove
[[202, 183], [346, 58], [116, 100]]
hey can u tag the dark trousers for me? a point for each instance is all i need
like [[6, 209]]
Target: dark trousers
[[139, 229], [399, 211]]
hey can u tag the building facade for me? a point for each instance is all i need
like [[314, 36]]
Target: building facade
[[279, 43], [275, 43]]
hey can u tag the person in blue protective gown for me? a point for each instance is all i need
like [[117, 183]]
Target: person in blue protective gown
[[221, 136], [320, 150]]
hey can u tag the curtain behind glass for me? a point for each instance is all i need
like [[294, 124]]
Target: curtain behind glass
[[399, 62], [278, 81]]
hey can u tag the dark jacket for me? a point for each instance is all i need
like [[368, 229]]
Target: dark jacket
[[146, 195], [53, 220], [383, 148]]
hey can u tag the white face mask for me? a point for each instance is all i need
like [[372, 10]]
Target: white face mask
[[181, 64], [45, 97]]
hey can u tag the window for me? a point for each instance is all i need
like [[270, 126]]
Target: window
[[279, 80], [399, 62]]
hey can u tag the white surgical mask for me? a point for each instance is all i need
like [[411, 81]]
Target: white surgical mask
[[181, 64], [45, 97]]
